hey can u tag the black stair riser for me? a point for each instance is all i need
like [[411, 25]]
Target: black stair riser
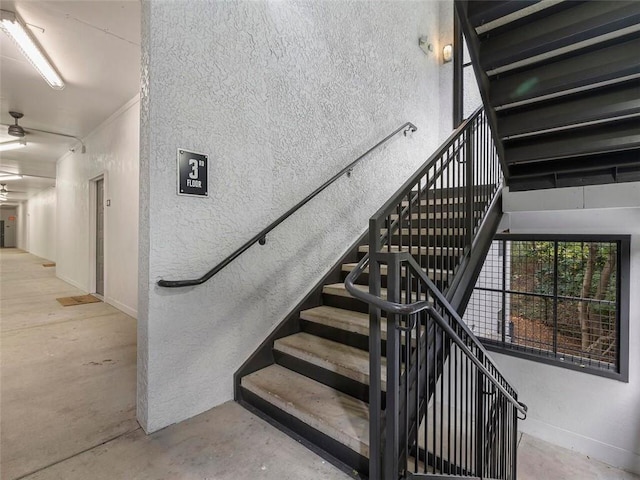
[[456, 206], [336, 453], [342, 336], [338, 335], [440, 281], [326, 377], [346, 303], [588, 141], [595, 105], [441, 284], [591, 68], [423, 222], [448, 262], [431, 240], [552, 32]]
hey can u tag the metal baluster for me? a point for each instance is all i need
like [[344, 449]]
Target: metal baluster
[[470, 190], [375, 355], [393, 370], [480, 424], [455, 410]]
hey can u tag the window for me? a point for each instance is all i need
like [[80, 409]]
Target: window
[[560, 300], [466, 94]]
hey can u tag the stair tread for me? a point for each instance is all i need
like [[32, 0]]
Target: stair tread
[[444, 200], [341, 290], [432, 272], [348, 320], [423, 250], [331, 412], [336, 357], [437, 231], [447, 215]]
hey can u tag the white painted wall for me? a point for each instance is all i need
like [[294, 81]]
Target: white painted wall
[[596, 416], [281, 95], [112, 151], [484, 311], [37, 224], [10, 226]]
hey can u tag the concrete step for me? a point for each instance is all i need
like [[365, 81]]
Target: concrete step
[[333, 413], [446, 200], [437, 215], [338, 289], [335, 357], [432, 273], [431, 251], [447, 232], [339, 318]]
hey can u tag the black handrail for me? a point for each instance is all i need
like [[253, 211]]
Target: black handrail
[[413, 308], [261, 237]]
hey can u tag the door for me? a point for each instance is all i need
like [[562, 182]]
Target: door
[[100, 237], [1, 233]]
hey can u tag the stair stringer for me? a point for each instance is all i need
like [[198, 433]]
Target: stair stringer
[[263, 355]]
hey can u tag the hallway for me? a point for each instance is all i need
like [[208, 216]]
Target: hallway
[[68, 374]]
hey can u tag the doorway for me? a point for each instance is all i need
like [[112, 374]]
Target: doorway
[[1, 233], [100, 237]]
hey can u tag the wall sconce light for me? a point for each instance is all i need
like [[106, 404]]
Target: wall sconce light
[[447, 53], [423, 43]]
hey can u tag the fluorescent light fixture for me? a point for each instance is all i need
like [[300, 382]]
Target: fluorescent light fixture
[[12, 145], [16, 29], [6, 178], [447, 53]]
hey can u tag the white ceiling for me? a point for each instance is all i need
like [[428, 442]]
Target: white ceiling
[[95, 45]]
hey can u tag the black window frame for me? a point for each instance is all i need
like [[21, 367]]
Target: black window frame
[[621, 373]]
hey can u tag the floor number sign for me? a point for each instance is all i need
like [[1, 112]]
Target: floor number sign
[[192, 173]]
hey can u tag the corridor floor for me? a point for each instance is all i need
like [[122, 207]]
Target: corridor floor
[[67, 405]]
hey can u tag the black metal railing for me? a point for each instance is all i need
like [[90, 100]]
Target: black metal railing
[[449, 412], [261, 236]]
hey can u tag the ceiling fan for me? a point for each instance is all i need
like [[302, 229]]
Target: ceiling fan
[[3, 192], [16, 130]]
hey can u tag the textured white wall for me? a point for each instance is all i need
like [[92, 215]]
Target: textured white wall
[[281, 95], [596, 416], [37, 224], [112, 151]]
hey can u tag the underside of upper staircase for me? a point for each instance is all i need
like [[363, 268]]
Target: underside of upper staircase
[[560, 81]]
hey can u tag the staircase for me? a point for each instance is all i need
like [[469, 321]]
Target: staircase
[[318, 386], [343, 369], [560, 81]]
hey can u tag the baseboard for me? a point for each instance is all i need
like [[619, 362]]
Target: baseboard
[[71, 282], [132, 312], [609, 454]]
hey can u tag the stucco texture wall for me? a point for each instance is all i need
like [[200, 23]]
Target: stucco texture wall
[[281, 96], [113, 153], [596, 416]]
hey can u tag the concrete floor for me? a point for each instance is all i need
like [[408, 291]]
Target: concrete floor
[[67, 406]]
